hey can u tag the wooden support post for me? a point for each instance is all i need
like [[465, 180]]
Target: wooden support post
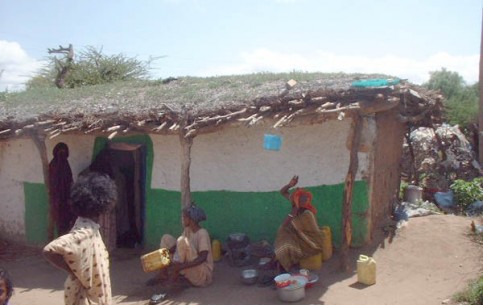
[[40, 144], [348, 190], [186, 143], [413, 177], [480, 115]]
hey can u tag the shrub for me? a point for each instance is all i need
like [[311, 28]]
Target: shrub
[[473, 295], [467, 192], [402, 189]]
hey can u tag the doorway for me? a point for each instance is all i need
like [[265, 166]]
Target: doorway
[[128, 163]]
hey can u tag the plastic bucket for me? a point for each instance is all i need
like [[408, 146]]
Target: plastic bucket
[[312, 263], [291, 294], [366, 270], [272, 142], [414, 193], [282, 280], [295, 291]]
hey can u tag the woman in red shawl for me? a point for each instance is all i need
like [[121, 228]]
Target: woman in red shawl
[[299, 235], [60, 179]]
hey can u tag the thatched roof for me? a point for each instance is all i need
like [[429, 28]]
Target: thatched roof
[[196, 105]]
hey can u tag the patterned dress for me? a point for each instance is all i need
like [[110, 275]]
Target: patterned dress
[[86, 255], [300, 239]]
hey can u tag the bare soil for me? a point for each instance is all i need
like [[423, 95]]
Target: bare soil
[[424, 262]]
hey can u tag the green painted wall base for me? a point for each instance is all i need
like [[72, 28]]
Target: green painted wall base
[[36, 213], [257, 214]]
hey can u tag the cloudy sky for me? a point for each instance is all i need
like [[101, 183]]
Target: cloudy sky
[[407, 39]]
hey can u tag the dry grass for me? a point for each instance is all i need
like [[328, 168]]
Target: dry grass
[[197, 93]]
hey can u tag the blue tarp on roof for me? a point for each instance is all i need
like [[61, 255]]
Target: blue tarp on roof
[[376, 82]]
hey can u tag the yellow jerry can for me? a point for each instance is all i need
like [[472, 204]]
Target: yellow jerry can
[[366, 270]]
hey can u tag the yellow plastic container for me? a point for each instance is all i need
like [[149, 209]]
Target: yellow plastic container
[[366, 270], [155, 260], [327, 245], [312, 263], [216, 250]]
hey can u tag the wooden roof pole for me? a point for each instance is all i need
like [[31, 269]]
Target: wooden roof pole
[[39, 142], [348, 191], [186, 143]]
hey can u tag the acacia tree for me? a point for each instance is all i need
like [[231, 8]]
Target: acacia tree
[[461, 103], [461, 100], [449, 82], [90, 67]]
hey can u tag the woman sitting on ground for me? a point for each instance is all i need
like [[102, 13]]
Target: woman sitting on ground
[[299, 235], [192, 257]]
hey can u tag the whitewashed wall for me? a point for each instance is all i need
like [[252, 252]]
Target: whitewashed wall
[[19, 163], [231, 159], [234, 158], [166, 162], [80, 151]]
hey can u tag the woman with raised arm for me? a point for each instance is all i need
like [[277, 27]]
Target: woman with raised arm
[[299, 235]]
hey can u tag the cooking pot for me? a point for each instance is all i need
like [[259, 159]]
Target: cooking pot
[[293, 292]]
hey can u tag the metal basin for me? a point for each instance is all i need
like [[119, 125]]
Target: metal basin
[[249, 276]]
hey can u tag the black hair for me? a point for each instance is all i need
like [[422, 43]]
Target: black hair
[[61, 147], [8, 283], [93, 194]]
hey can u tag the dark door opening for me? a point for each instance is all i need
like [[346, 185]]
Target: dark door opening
[[128, 162]]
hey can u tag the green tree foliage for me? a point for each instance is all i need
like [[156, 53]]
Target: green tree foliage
[[450, 83], [92, 67], [463, 107], [462, 101]]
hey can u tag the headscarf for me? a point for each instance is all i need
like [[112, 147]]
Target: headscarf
[[295, 198], [60, 179], [195, 213]]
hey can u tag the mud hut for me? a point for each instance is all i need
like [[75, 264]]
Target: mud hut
[[202, 139]]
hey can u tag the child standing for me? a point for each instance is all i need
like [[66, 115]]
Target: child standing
[[6, 287], [81, 252]]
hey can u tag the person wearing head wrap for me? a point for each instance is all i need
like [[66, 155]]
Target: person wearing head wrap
[[299, 235], [192, 257], [195, 213], [60, 181]]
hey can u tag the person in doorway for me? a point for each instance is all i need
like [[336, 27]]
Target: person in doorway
[[81, 252], [107, 221], [299, 236], [60, 181], [6, 287], [191, 252]]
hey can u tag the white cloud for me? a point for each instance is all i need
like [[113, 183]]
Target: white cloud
[[416, 71], [16, 65]]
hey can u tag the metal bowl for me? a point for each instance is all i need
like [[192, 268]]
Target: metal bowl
[[249, 276], [313, 278]]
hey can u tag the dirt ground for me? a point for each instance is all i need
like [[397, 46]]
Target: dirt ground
[[425, 262]]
